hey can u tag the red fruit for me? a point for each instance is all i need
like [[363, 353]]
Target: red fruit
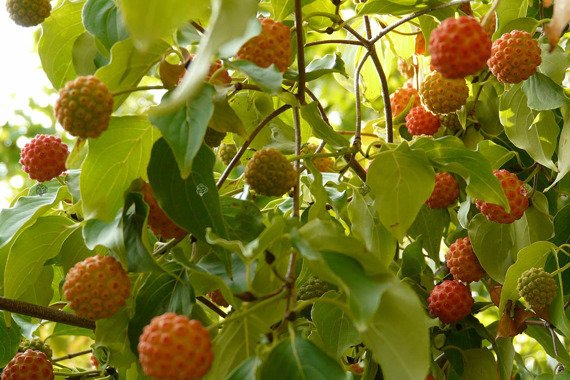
[[516, 194], [173, 347], [422, 122], [401, 97], [97, 287], [451, 301], [462, 262], [272, 46], [84, 107], [443, 95], [160, 224], [514, 57], [28, 365], [445, 191], [43, 158], [459, 47]]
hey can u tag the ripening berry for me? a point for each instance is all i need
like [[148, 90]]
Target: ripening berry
[[445, 191], [227, 152], [43, 158], [172, 347], [462, 261], [450, 301], [443, 95], [160, 224], [97, 287], [516, 194], [28, 12], [459, 47], [401, 97], [28, 365], [269, 173], [84, 107], [514, 57], [272, 46], [420, 121], [537, 287]]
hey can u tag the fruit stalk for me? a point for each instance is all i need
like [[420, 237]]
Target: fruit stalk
[[36, 311]]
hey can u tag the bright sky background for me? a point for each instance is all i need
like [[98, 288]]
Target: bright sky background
[[21, 78]]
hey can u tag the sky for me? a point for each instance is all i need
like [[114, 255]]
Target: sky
[[21, 78]]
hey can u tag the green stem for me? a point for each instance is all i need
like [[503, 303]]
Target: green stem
[[560, 270], [71, 356]]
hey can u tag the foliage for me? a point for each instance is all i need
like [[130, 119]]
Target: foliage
[[363, 226]]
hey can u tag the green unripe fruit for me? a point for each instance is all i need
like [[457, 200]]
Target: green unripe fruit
[[226, 152], [35, 344], [28, 12], [312, 288], [537, 287]]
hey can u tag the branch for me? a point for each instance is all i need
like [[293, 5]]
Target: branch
[[42, 312], [300, 51], [322, 42], [247, 143], [385, 95], [212, 306], [297, 162], [71, 356]]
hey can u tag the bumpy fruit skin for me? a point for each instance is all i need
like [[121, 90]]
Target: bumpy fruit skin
[[97, 287], [445, 191], [420, 121], [172, 347], [28, 365], [43, 158], [28, 12], [272, 46], [451, 301], [459, 47], [226, 152], [323, 164], [84, 107], [218, 298], [443, 95], [451, 122], [401, 97], [160, 224], [35, 344], [269, 173], [462, 261], [312, 288], [516, 194], [537, 287], [514, 57]]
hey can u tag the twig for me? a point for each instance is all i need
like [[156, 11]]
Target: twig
[[297, 162], [322, 42], [358, 126], [42, 312], [300, 51], [71, 356], [246, 144], [212, 306], [385, 95]]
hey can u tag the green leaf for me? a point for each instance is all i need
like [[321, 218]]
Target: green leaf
[[536, 223], [139, 258], [10, 338], [543, 337], [33, 247], [398, 335], [534, 255], [322, 130], [84, 54], [55, 48], [239, 339], [396, 7], [269, 79], [128, 65], [328, 64], [497, 155], [112, 334], [478, 363], [537, 136], [160, 292], [493, 244], [367, 227], [429, 225], [103, 20], [192, 203], [115, 159], [450, 153], [158, 18], [184, 129], [554, 63], [230, 20], [244, 220], [543, 93], [297, 358], [401, 181], [563, 149], [106, 234], [334, 327], [73, 250], [561, 226], [246, 370], [225, 119], [413, 260], [508, 11], [27, 210]]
